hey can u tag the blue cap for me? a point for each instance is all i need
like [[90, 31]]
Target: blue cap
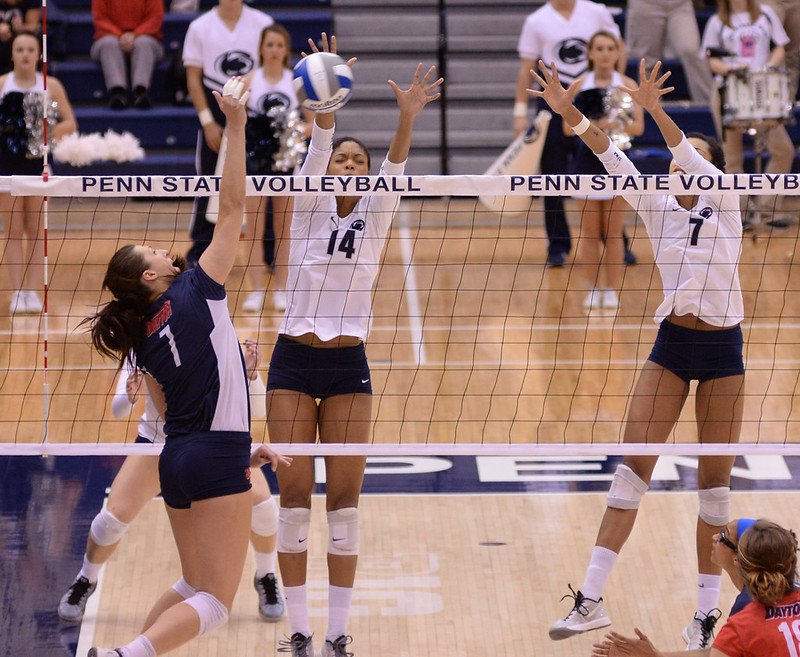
[[743, 525]]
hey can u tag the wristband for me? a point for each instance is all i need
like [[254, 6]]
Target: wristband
[[520, 109], [206, 117], [582, 127]]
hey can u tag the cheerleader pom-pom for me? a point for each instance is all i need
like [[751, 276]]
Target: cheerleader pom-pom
[[82, 150]]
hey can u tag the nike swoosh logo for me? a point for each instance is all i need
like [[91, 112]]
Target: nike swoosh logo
[[302, 540], [701, 586], [337, 539], [364, 380]]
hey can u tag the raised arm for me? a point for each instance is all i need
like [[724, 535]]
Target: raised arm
[[411, 101], [217, 260], [648, 94]]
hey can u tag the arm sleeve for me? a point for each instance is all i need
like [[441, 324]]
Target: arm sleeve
[[207, 286], [618, 164], [383, 207], [103, 25], [711, 35], [316, 164], [152, 24], [193, 47], [778, 33], [607, 22], [529, 45], [120, 404]]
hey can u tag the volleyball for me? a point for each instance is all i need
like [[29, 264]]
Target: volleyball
[[323, 82]]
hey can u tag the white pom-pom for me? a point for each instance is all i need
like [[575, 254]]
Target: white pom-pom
[[82, 150]]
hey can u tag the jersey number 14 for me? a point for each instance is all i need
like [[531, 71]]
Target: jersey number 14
[[347, 245]]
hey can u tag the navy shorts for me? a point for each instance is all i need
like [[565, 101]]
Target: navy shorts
[[319, 373], [702, 355], [141, 440], [199, 466]]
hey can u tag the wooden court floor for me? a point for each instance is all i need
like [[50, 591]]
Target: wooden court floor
[[474, 340], [469, 575]]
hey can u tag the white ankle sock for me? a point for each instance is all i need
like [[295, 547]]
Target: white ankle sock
[[297, 607], [139, 647], [339, 601], [708, 587], [265, 563], [89, 570], [600, 566]]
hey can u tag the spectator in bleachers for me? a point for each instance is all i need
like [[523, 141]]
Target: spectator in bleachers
[[21, 154], [219, 44], [789, 13], [650, 23], [129, 30], [16, 16], [742, 38]]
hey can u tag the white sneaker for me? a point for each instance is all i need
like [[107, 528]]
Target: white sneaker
[[254, 302], [279, 299], [19, 302], [337, 648], [610, 299], [699, 633], [586, 615], [34, 303], [594, 299]]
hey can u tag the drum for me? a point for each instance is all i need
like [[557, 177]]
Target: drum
[[756, 97]]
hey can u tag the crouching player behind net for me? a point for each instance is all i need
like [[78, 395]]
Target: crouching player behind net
[[696, 244], [178, 326]]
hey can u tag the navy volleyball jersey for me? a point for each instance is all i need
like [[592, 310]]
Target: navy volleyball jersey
[[191, 349]]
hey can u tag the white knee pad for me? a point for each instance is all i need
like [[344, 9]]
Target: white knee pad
[[106, 529], [264, 520], [715, 505], [626, 489], [293, 530], [184, 589], [212, 612], [343, 532]]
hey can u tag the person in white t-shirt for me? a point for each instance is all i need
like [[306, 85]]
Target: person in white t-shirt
[[319, 379], [558, 32], [752, 36], [696, 244], [272, 98], [219, 44]]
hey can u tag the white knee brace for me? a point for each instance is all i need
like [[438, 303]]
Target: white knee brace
[[343, 535], [715, 505], [106, 529], [293, 529], [626, 489], [212, 612], [184, 589], [264, 520]]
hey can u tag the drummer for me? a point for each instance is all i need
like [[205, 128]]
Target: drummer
[[600, 249], [742, 38]]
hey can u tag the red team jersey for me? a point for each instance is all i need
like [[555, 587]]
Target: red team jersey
[[759, 631]]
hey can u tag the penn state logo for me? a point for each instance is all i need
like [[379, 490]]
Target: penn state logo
[[706, 212], [572, 51], [273, 99], [234, 62], [358, 224]]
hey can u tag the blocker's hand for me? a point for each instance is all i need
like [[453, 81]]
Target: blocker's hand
[[233, 101]]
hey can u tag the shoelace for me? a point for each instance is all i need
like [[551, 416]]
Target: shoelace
[[339, 646], [577, 598], [707, 627], [79, 588], [296, 644], [269, 585]]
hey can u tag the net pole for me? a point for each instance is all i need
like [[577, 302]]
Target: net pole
[[45, 226]]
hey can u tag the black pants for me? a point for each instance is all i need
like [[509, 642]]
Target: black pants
[[556, 156]]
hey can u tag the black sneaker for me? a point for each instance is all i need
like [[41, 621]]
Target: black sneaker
[[270, 600], [117, 98], [299, 645], [557, 259], [141, 98], [700, 631], [73, 603], [337, 648]]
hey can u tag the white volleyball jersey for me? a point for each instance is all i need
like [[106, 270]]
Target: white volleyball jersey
[[11, 85], [697, 251], [748, 42], [223, 53], [548, 36], [333, 260], [264, 94], [151, 424]]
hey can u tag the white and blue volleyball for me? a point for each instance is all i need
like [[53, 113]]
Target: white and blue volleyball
[[323, 82]]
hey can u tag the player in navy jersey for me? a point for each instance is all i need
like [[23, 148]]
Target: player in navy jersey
[[178, 326], [696, 241], [319, 379]]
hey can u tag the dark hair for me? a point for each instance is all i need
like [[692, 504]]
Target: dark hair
[[341, 140], [278, 29], [714, 147], [768, 561], [601, 33], [116, 329]]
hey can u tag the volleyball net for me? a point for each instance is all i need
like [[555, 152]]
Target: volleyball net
[[476, 345]]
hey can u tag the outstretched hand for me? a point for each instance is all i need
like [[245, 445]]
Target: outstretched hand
[[651, 88], [264, 454], [555, 95], [233, 101], [618, 645], [327, 47], [411, 101]]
